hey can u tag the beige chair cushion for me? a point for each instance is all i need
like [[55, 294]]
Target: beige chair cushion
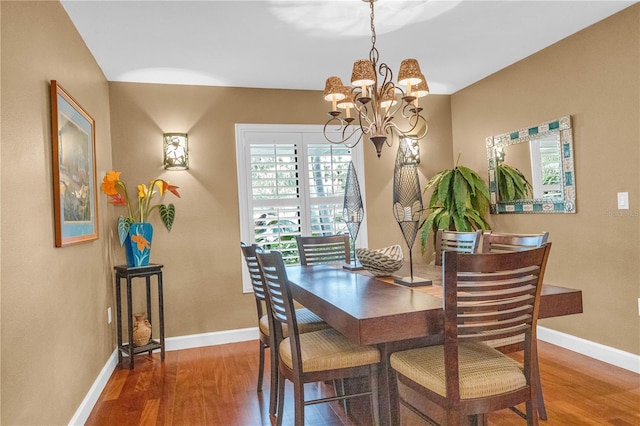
[[307, 322], [483, 370], [328, 350]]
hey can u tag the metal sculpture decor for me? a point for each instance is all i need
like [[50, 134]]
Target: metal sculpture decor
[[407, 201], [353, 213]]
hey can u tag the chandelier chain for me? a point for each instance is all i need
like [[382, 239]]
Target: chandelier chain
[[373, 54]]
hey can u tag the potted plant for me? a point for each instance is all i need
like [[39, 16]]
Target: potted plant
[[512, 184], [134, 231], [459, 202]]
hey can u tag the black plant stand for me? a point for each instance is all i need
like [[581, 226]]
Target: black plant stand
[[129, 273]]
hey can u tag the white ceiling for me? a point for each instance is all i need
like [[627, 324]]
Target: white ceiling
[[297, 44]]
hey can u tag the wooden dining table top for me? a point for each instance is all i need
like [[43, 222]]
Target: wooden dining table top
[[373, 310]]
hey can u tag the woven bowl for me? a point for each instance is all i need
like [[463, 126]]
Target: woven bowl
[[381, 262]]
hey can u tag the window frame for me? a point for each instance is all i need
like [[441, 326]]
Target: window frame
[[304, 134]]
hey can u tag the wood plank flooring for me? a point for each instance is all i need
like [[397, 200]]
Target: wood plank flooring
[[216, 385]]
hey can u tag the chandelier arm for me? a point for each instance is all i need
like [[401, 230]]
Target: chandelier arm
[[343, 126], [409, 132], [363, 114]]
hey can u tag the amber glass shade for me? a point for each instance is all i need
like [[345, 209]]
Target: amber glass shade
[[363, 73], [409, 72], [332, 87], [347, 101], [421, 89]]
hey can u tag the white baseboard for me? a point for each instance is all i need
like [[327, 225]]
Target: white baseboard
[[603, 353], [171, 344], [607, 354], [82, 413], [211, 339]]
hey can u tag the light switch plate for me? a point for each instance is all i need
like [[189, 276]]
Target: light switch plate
[[623, 201]]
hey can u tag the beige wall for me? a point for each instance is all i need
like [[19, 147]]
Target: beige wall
[[55, 338], [203, 291], [594, 76], [201, 254]]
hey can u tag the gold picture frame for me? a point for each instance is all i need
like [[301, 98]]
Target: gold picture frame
[[74, 170]]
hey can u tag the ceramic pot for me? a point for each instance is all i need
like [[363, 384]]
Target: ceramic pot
[[138, 244], [141, 329]]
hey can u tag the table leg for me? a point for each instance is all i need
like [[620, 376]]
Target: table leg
[[387, 389]]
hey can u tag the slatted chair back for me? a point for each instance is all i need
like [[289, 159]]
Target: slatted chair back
[[494, 242], [262, 305], [280, 299], [488, 297], [323, 249], [249, 253], [499, 242], [462, 242]]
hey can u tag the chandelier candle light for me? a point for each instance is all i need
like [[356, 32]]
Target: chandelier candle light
[[376, 101]]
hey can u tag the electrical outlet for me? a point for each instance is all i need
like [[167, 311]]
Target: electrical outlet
[[109, 314]]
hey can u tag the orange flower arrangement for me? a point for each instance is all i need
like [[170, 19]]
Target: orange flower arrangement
[[116, 190]]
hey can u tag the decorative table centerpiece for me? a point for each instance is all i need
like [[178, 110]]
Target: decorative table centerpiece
[[134, 232], [381, 262]]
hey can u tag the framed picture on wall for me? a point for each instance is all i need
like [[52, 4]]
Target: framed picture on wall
[[74, 170]]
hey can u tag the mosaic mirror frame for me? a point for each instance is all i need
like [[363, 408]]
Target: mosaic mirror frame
[[566, 202]]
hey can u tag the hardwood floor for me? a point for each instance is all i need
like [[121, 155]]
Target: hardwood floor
[[216, 385]]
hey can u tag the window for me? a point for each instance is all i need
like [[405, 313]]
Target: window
[[546, 164], [291, 181]]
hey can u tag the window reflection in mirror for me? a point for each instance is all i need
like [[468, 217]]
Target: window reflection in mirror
[[531, 170]]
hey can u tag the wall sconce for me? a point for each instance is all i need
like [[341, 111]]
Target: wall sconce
[[176, 151], [411, 150]]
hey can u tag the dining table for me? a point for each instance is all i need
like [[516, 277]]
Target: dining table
[[374, 310]]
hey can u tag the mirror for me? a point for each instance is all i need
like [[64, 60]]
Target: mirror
[[531, 170]]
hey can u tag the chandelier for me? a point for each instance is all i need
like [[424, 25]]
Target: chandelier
[[376, 102]]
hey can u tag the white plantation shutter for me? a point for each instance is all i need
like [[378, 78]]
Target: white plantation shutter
[[290, 182], [275, 200], [327, 167]]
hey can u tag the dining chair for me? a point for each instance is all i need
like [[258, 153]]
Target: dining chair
[[323, 355], [323, 249], [462, 242], [494, 242], [486, 296], [307, 321]]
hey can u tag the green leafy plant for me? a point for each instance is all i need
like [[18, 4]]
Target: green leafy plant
[[459, 202], [116, 190], [512, 184]]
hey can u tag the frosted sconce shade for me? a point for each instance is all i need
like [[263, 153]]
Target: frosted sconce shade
[[176, 151]]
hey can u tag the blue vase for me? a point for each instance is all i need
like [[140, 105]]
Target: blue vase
[[138, 244]]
